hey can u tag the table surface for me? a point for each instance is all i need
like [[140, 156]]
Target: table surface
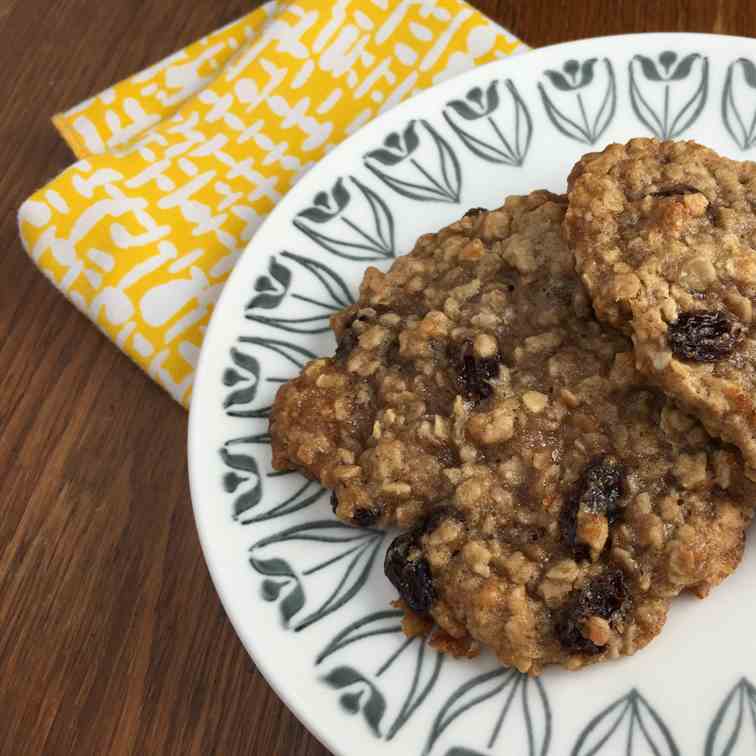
[[113, 640]]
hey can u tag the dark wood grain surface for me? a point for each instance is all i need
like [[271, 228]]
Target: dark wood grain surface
[[112, 640]]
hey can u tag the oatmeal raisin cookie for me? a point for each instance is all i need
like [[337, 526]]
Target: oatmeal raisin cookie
[[665, 239]]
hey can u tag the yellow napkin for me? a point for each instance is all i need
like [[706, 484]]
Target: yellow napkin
[[181, 163]]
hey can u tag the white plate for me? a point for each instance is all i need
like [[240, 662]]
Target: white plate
[[307, 595]]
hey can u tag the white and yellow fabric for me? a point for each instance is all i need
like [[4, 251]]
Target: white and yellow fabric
[[180, 164]]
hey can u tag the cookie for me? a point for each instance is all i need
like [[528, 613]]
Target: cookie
[[570, 549], [379, 422], [553, 504], [664, 235]]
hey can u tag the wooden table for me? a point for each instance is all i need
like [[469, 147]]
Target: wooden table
[[113, 640]]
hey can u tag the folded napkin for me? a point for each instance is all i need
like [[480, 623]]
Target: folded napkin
[[180, 164]]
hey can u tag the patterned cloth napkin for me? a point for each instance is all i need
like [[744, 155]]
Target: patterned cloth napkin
[[180, 164]]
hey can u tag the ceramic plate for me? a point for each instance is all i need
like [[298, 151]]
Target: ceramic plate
[[307, 594]]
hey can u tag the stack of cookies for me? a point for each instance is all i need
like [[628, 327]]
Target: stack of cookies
[[553, 401]]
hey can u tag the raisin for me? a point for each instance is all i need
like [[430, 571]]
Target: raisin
[[473, 211], [598, 491], [475, 373], [334, 501], [364, 517], [410, 574], [347, 343], [602, 487], [604, 596], [567, 629], [702, 336]]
